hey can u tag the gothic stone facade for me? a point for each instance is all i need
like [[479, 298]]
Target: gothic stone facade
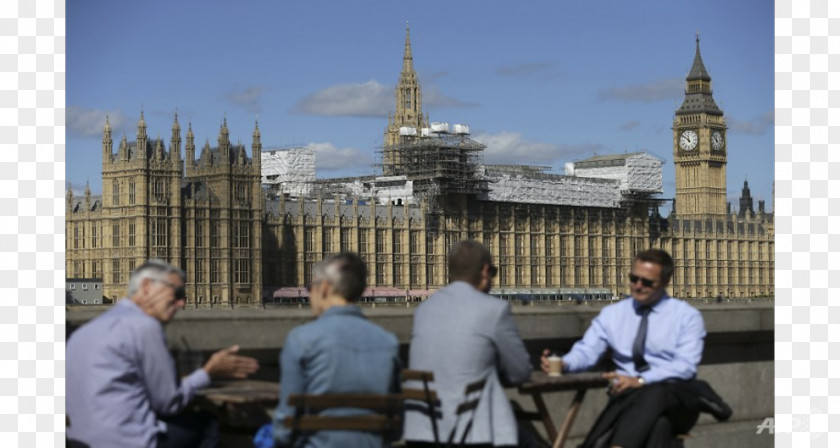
[[204, 216], [535, 246], [236, 243]]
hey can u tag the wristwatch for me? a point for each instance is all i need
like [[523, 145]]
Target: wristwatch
[[640, 380]]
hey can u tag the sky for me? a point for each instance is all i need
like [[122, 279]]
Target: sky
[[542, 82]]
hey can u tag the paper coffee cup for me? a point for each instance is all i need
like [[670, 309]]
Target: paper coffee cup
[[555, 366]]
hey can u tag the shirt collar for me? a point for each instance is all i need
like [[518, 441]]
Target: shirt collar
[[344, 310], [653, 308]]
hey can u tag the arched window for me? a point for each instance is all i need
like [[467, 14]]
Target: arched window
[[241, 191], [160, 193], [115, 189], [132, 196]]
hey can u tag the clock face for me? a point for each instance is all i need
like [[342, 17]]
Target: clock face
[[688, 140], [717, 140]]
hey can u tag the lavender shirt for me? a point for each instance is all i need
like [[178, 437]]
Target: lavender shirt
[[121, 379], [673, 346]]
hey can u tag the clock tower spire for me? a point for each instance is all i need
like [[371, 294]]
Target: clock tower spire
[[699, 148]]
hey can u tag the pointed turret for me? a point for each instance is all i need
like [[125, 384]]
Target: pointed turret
[[107, 143], [205, 159], [190, 147], [408, 61], [240, 154], [175, 142], [698, 69], [159, 152], [87, 195], [224, 141], [122, 153], [141, 137], [746, 201], [256, 145], [698, 90], [69, 196]]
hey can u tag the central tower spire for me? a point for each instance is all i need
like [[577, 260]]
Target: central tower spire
[[408, 62], [408, 112]]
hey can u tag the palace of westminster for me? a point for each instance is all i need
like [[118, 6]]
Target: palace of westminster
[[241, 238]]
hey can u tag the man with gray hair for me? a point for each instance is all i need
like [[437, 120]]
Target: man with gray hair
[[340, 352], [122, 389]]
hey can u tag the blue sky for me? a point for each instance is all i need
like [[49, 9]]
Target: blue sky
[[541, 82]]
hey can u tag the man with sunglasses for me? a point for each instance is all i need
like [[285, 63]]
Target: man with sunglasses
[[656, 343], [463, 335], [122, 389]]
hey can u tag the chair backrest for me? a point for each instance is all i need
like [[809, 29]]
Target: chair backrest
[[472, 396], [426, 395], [385, 415]]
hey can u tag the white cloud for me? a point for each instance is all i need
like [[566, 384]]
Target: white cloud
[[510, 148], [85, 123], [329, 157], [249, 98], [370, 99], [664, 89]]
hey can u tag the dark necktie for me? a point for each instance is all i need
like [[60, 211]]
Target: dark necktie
[[639, 342]]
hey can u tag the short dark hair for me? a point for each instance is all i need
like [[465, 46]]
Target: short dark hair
[[346, 273], [466, 260], [660, 257]]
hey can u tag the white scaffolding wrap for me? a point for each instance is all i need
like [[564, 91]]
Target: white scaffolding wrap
[[638, 172], [293, 170], [393, 189], [558, 190]]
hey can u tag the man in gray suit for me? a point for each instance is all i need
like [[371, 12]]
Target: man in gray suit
[[464, 335]]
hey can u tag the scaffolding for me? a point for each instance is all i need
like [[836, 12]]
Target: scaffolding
[[545, 188], [437, 164], [638, 172], [290, 170]]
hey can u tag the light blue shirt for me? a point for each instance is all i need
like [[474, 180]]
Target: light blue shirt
[[121, 379], [340, 352], [673, 346]]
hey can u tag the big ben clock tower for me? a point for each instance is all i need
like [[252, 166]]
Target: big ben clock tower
[[700, 148]]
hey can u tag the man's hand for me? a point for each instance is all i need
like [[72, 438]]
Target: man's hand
[[544, 361], [621, 383], [226, 363]]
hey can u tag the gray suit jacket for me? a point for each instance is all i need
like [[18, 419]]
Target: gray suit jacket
[[464, 335]]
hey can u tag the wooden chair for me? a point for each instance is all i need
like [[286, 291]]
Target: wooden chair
[[472, 396], [385, 419], [426, 395]]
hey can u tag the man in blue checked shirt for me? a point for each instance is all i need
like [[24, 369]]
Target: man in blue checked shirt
[[656, 343]]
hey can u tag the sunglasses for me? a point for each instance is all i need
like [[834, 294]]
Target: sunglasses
[[645, 281], [493, 271], [180, 291]]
